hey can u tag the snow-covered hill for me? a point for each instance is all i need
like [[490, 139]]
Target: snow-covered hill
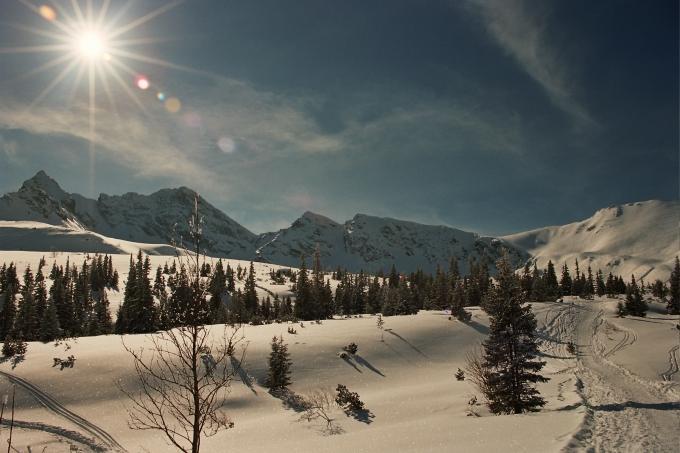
[[636, 238], [375, 243]]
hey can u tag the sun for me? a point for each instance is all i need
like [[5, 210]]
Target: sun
[[94, 47], [90, 44]]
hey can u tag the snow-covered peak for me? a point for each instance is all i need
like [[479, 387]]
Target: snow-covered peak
[[634, 238], [316, 219], [42, 182]]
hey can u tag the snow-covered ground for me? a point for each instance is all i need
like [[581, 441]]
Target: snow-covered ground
[[620, 392]]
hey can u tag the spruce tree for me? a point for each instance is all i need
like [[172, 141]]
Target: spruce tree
[[550, 282], [635, 304], [302, 293], [511, 350], [49, 323], [674, 299], [458, 303], [250, 293], [600, 287], [565, 281], [279, 365]]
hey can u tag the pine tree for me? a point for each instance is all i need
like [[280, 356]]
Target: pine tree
[[674, 300], [394, 277], [101, 318], [511, 349], [635, 304], [279, 365], [9, 288], [40, 294], [302, 293], [600, 287], [458, 303], [27, 323], [589, 288], [49, 324], [250, 293], [550, 281], [565, 281]]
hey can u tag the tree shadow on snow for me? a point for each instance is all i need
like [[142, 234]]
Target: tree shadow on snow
[[363, 362], [481, 328], [290, 399], [14, 360], [363, 416], [242, 374], [392, 332], [670, 406], [349, 362]]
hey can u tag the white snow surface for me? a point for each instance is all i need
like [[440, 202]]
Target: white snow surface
[[620, 392]]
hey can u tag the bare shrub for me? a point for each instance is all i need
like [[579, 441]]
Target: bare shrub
[[319, 405], [476, 372]]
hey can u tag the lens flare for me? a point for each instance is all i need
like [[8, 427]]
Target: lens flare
[[142, 82], [173, 105], [160, 96], [47, 13], [226, 144]]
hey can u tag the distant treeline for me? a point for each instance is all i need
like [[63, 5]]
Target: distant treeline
[[77, 304]]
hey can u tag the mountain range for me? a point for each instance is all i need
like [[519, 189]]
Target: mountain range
[[638, 238]]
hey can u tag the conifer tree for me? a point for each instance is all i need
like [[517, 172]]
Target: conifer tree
[[550, 280], [27, 323], [302, 293], [373, 303], [458, 303], [49, 323], [511, 351], [635, 304], [278, 377], [565, 281], [674, 299], [527, 280], [394, 277], [100, 323], [589, 286], [600, 287], [250, 292]]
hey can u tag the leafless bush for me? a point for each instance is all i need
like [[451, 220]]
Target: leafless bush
[[318, 406], [476, 373], [185, 375]]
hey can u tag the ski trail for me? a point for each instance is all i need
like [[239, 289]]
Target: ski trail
[[672, 364], [51, 404], [624, 413], [59, 431]]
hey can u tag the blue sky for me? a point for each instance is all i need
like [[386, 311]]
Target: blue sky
[[494, 116]]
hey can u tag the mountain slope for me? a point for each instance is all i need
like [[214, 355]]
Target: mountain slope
[[132, 217], [375, 243], [636, 238]]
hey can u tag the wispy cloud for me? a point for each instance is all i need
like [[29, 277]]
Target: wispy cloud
[[10, 149], [522, 33]]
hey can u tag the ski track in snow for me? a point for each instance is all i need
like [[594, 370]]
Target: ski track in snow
[[672, 364], [53, 405], [74, 436], [624, 412]]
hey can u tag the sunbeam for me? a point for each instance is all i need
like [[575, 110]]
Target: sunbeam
[[92, 44]]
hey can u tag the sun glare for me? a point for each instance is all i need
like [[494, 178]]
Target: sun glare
[[94, 50], [90, 45]]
